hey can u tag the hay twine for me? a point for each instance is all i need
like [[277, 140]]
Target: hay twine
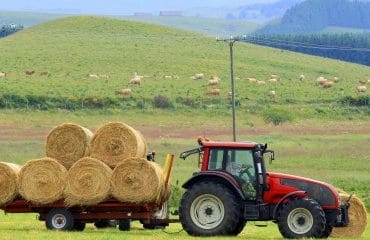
[[116, 141], [8, 182], [42, 181], [67, 143], [137, 180], [88, 182], [357, 218]]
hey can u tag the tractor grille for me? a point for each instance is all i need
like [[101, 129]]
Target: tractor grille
[[316, 191]]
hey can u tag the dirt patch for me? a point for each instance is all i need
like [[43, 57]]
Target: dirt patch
[[22, 134]]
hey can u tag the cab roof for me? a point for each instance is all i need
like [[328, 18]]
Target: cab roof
[[229, 144]]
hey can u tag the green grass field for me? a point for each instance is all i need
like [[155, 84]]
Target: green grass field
[[324, 140]]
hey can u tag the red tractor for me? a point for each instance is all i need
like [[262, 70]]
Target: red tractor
[[233, 187]]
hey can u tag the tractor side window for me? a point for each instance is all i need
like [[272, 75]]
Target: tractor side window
[[241, 165], [216, 159]]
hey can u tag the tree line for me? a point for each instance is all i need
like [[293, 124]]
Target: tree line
[[7, 29], [350, 47]]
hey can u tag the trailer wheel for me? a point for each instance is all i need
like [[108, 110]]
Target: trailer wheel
[[301, 218], [59, 219], [208, 209], [124, 224], [79, 226]]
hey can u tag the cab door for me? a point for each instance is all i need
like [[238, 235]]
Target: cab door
[[240, 164]]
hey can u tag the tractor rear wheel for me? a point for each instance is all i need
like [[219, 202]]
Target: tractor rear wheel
[[238, 227], [208, 209], [301, 218]]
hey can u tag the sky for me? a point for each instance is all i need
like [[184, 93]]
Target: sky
[[118, 7]]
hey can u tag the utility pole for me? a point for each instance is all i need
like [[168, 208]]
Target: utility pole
[[231, 42]]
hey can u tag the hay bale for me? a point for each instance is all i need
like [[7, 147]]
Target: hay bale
[[357, 218], [116, 141], [137, 180], [42, 181], [88, 182], [67, 143], [8, 182]]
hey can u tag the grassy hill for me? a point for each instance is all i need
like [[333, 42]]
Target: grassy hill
[[71, 48]]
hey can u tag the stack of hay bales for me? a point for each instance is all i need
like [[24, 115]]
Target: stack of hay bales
[[85, 169]]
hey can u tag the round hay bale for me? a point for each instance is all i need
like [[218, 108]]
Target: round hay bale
[[8, 182], [137, 180], [116, 141], [67, 143], [88, 182], [42, 181], [357, 218]]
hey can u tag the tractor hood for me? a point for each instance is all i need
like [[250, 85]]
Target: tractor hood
[[325, 194]]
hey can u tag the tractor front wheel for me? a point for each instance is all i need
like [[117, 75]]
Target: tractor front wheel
[[301, 218], [209, 209]]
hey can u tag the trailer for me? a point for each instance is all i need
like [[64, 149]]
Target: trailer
[[59, 216]]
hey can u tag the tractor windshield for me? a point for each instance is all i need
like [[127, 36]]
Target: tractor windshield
[[240, 164]]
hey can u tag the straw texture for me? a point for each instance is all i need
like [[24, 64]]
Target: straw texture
[[67, 143], [42, 181], [137, 180], [116, 141], [357, 218], [88, 182], [8, 182]]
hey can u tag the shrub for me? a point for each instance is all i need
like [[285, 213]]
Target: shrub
[[355, 100], [276, 116], [161, 102]]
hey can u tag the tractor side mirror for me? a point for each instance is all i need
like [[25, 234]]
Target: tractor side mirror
[[270, 154]]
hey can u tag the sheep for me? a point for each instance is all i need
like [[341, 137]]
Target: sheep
[[327, 84], [212, 82], [261, 82], [167, 77], [336, 79], [272, 80], [320, 80], [93, 75], [198, 76], [126, 92], [30, 72], [361, 88], [364, 81], [135, 80], [2, 74], [275, 77], [302, 77], [44, 73], [252, 80], [272, 94], [214, 92]]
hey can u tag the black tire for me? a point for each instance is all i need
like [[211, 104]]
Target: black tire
[[239, 227], [124, 224], [209, 209], [105, 223], [79, 226], [327, 231], [59, 219], [301, 218]]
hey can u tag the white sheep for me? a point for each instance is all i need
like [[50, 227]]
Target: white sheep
[[361, 88]]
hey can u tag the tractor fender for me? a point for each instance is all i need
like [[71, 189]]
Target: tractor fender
[[289, 195], [216, 176]]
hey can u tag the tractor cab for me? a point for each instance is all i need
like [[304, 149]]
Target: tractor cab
[[241, 163]]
